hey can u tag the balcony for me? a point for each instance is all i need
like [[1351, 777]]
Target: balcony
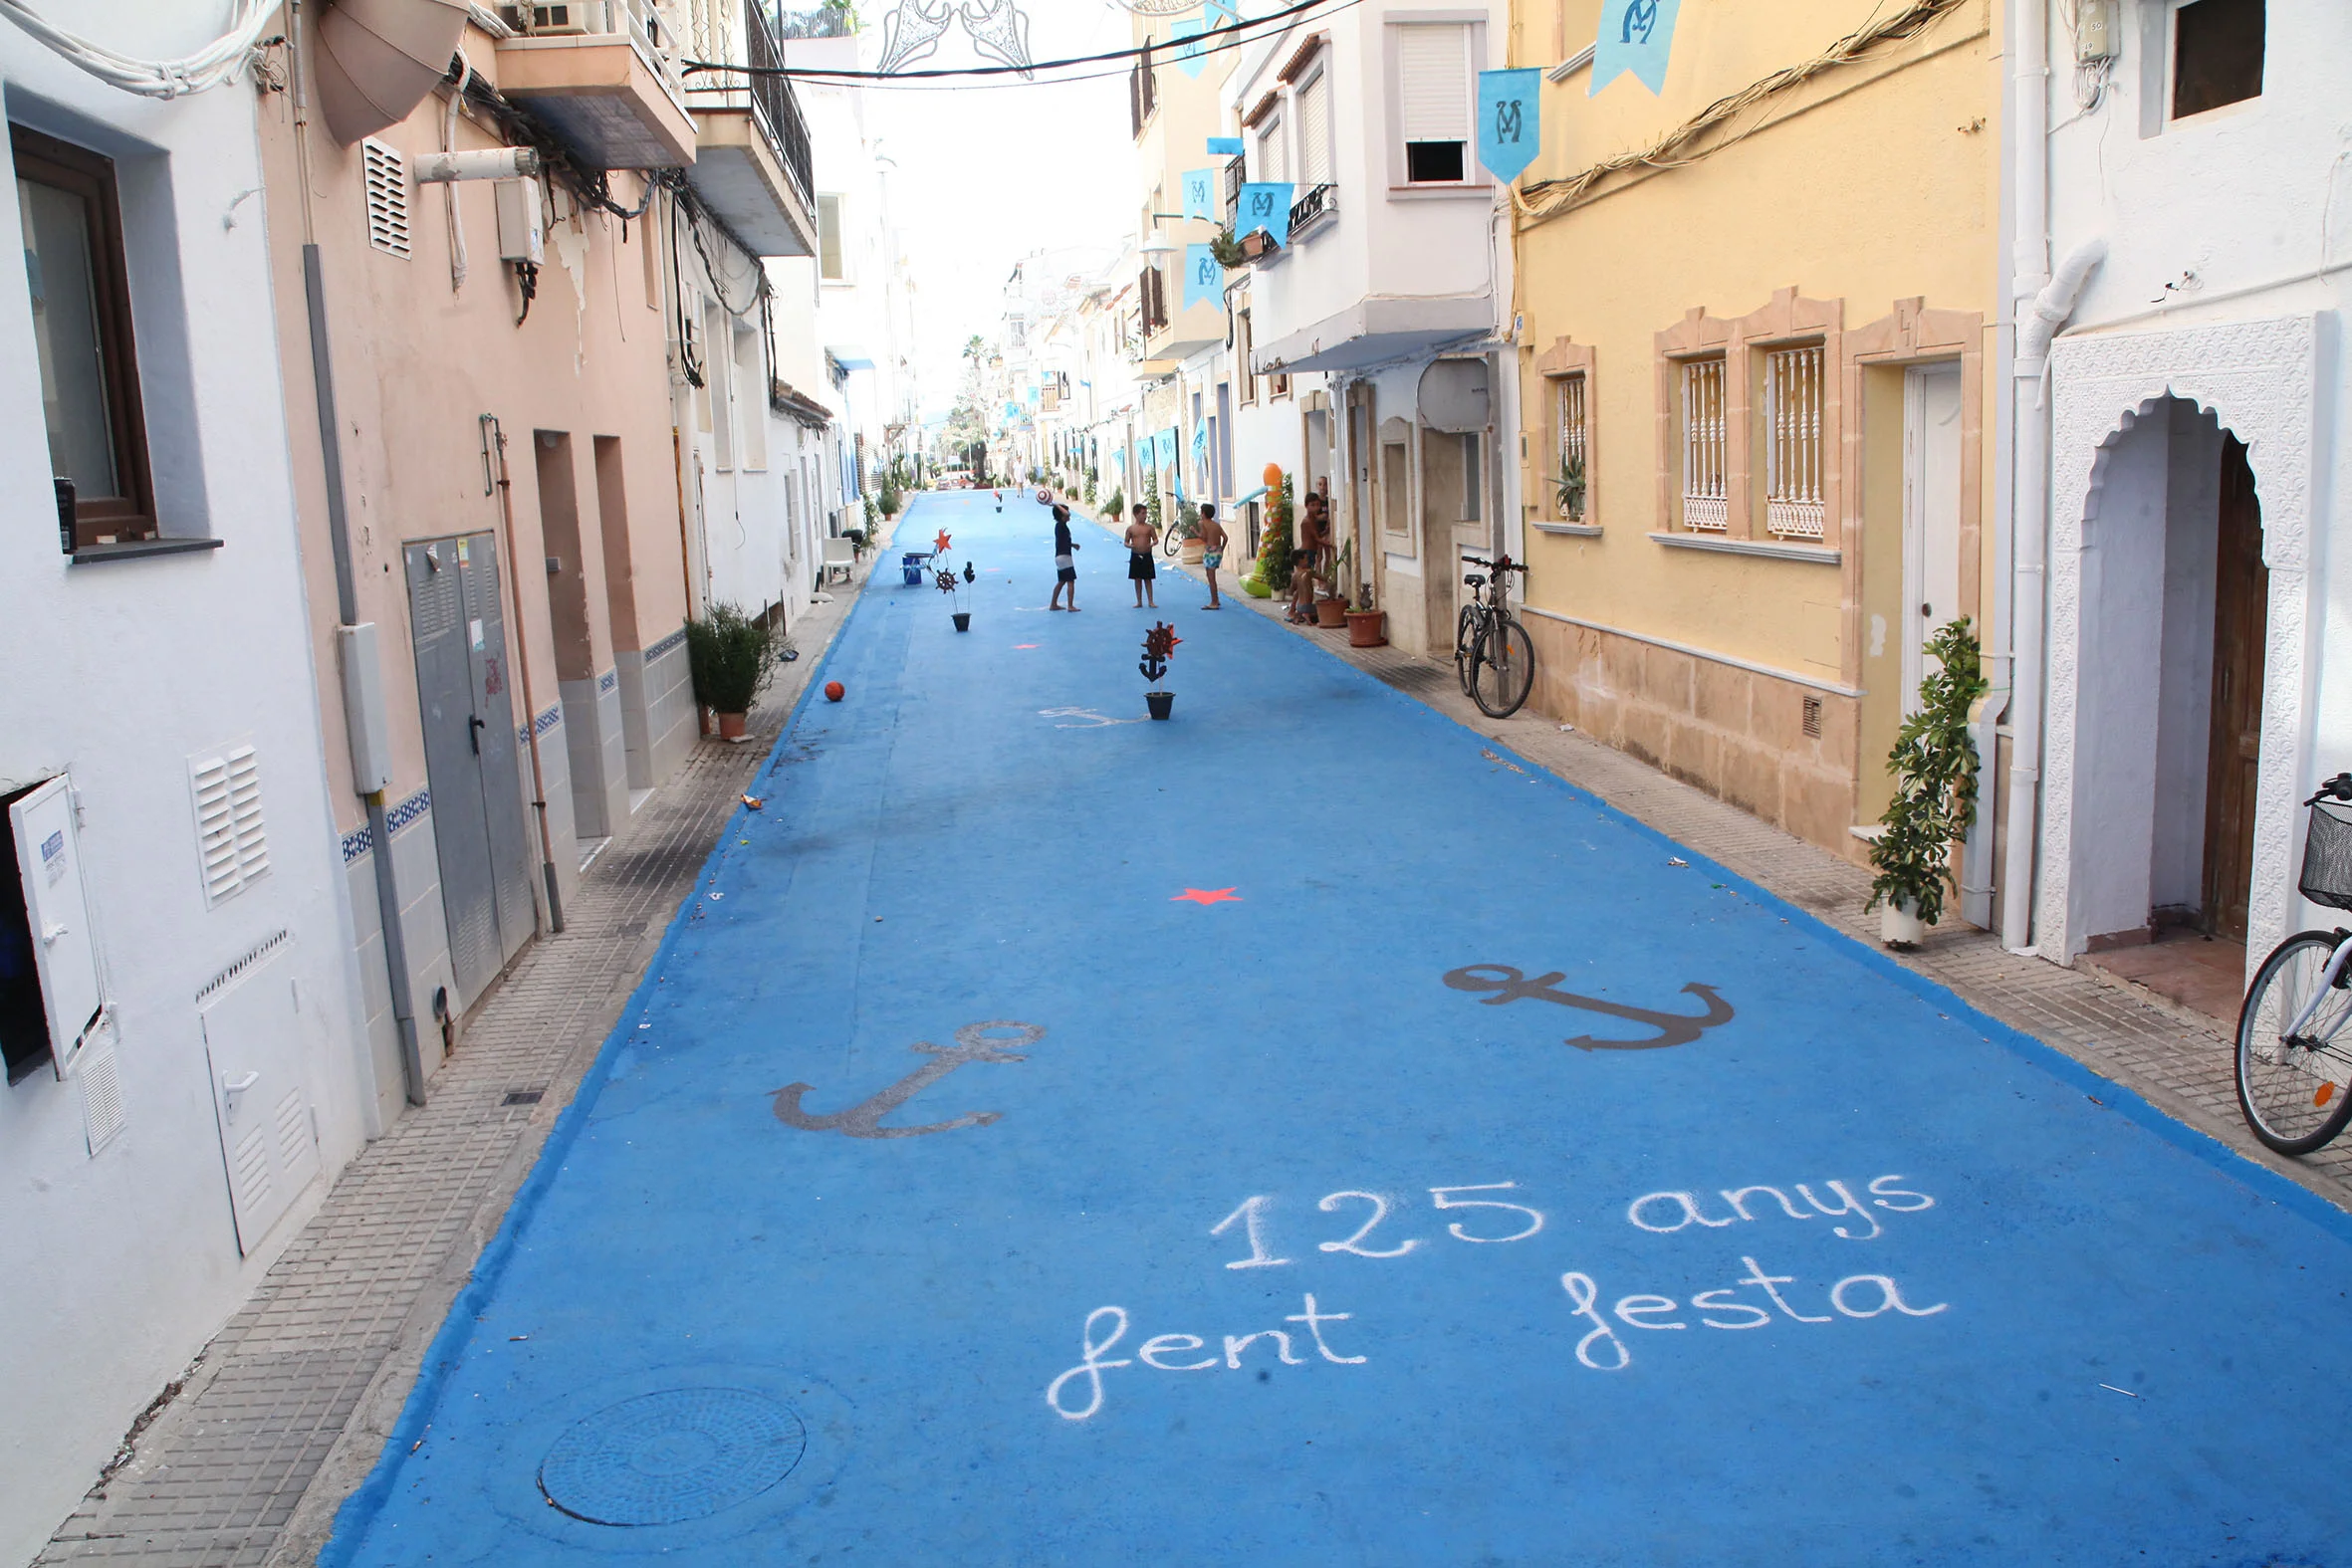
[[752, 166], [603, 81], [1319, 205]]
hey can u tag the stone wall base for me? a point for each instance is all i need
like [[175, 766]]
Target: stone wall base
[[1744, 737]]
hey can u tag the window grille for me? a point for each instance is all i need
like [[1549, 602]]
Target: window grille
[[1574, 476], [385, 175], [1793, 442], [1705, 506]]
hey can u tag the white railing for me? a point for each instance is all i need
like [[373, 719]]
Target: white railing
[[1705, 507], [1793, 442]]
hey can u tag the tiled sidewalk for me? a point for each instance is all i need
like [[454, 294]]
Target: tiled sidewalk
[[2174, 1059], [287, 1407]]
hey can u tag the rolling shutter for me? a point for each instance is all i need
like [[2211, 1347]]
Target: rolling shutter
[[1433, 82], [1274, 163], [1314, 131]]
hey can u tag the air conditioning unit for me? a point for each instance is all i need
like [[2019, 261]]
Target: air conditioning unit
[[564, 16]]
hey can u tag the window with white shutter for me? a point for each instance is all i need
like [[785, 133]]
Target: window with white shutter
[[231, 842], [1314, 131], [1433, 100], [1273, 162]]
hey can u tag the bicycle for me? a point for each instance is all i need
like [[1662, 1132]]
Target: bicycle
[[2294, 1065], [1494, 658]]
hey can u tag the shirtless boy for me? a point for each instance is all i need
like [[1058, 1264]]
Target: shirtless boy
[[1211, 552], [1142, 539]]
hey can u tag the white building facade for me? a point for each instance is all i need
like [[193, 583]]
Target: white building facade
[[178, 984], [2196, 677]]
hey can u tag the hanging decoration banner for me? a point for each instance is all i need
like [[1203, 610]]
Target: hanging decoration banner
[[1199, 186], [1265, 207], [1163, 448], [1635, 36], [1204, 278], [1509, 121], [1225, 146], [1193, 58]]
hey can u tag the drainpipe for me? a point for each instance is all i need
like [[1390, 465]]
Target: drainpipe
[[495, 436], [347, 595], [2039, 320]]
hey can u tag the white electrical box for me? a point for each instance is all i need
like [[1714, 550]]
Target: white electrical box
[[2096, 32], [371, 731], [522, 231], [65, 952]]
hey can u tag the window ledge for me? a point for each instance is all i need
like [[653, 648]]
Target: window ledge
[[1576, 530], [138, 549], [1436, 192], [1769, 548]]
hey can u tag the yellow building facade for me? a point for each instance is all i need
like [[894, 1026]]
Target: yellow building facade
[[1755, 318]]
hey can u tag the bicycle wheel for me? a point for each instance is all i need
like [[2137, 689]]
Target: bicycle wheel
[[1170, 545], [2293, 1090], [1501, 668], [1465, 644]]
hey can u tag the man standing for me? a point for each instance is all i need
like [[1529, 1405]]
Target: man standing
[[1142, 539], [1212, 551], [1065, 565]]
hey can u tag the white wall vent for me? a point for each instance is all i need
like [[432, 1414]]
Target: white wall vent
[[387, 197], [230, 839]]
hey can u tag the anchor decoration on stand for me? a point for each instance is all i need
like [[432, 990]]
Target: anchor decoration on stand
[[1674, 1029], [974, 1043]]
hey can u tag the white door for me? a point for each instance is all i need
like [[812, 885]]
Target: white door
[[253, 1042], [1930, 516], [64, 954]]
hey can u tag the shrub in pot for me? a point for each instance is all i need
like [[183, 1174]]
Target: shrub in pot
[[729, 657], [1934, 762]]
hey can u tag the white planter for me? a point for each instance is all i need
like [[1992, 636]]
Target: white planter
[[1898, 925]]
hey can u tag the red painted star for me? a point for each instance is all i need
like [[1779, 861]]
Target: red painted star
[[1198, 895]]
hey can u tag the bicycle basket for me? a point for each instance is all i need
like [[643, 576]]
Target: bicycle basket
[[2327, 855]]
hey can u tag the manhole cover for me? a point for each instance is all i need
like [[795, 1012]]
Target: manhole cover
[[672, 1457]]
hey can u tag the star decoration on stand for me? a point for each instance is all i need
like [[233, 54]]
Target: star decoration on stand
[[1201, 895]]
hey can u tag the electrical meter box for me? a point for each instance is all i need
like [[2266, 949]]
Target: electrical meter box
[[522, 232]]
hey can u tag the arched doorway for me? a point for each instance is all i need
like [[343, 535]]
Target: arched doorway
[[2179, 604]]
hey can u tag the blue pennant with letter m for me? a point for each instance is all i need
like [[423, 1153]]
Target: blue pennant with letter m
[[1265, 207], [1509, 121], [1204, 278], [1635, 36]]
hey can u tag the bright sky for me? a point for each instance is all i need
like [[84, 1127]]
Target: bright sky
[[986, 174]]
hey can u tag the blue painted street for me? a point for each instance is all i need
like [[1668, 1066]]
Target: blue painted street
[[1300, 1132]]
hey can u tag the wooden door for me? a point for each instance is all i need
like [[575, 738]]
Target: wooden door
[[2242, 616]]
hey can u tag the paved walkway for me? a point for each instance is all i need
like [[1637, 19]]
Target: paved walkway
[[2173, 1055], [1009, 1159], [296, 1395]]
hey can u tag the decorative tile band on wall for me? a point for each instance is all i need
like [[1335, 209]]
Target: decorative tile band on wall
[[547, 721], [359, 840], [665, 644], [607, 681]]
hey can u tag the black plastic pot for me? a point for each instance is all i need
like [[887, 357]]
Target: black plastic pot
[[1159, 703], [963, 619]]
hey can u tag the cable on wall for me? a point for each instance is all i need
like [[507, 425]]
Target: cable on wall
[[209, 67]]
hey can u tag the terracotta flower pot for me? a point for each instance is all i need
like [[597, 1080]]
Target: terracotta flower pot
[[1368, 628], [1330, 614], [731, 726], [1193, 551]]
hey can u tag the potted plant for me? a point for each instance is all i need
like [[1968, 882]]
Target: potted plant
[[1116, 506], [1274, 549], [1934, 762], [1367, 627], [1151, 501], [1159, 647], [729, 656], [1258, 245], [891, 496], [1228, 250], [1188, 529], [1568, 490], [1330, 608]]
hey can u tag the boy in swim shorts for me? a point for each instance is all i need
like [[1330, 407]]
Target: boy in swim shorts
[[1065, 565], [1141, 538], [1211, 552]]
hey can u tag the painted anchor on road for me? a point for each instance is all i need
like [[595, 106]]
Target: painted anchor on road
[[1674, 1029], [973, 1044]]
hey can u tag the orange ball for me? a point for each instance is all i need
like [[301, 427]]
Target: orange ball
[[835, 691], [1273, 475]]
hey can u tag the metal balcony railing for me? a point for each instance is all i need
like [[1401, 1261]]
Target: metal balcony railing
[[1320, 202], [774, 102]]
